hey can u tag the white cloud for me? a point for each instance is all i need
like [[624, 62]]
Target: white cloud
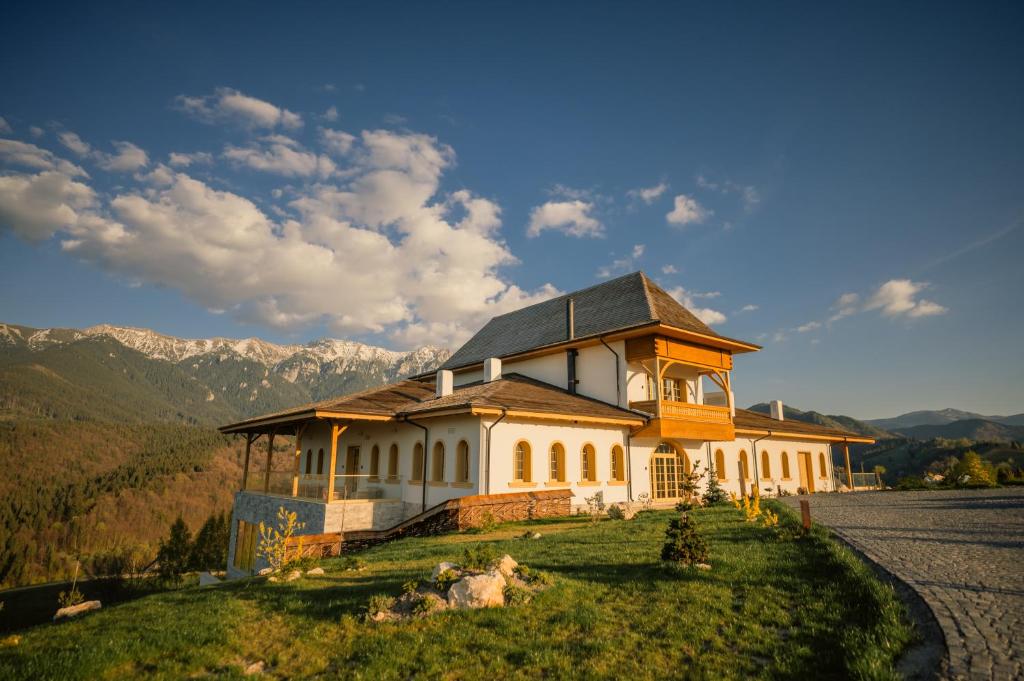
[[5, 127], [687, 211], [897, 297], [572, 218], [228, 105], [36, 131], [36, 206], [336, 141], [749, 308], [846, 305], [648, 194], [809, 326], [687, 300], [624, 264], [669, 269], [28, 155], [74, 143], [748, 194], [128, 158], [280, 155], [331, 114], [378, 251], [184, 160]]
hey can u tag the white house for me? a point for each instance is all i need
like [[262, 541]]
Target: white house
[[616, 389]]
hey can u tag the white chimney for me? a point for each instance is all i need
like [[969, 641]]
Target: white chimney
[[445, 382], [777, 412], [492, 369]]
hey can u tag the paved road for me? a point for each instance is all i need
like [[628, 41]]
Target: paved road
[[962, 551]]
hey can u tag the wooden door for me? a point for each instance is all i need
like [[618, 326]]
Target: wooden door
[[664, 476], [351, 470], [806, 467]]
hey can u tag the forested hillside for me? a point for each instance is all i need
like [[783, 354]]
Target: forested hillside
[[107, 434]]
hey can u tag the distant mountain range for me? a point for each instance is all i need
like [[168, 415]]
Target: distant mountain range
[[941, 417], [829, 421], [136, 375]]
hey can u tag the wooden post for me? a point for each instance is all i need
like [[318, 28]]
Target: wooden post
[[270, 461], [245, 466], [805, 513], [298, 459], [336, 432], [849, 468]]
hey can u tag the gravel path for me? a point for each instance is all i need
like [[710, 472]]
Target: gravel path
[[961, 551]]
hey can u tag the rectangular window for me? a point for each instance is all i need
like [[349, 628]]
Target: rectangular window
[[670, 390]]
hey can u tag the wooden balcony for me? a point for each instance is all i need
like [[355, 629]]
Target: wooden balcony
[[686, 421]]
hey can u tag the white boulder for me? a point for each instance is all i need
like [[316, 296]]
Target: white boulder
[[293, 575], [265, 571], [441, 567], [315, 572], [478, 591], [507, 565], [76, 610]]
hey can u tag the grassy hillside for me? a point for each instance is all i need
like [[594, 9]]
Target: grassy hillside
[[981, 430], [768, 608], [902, 458]]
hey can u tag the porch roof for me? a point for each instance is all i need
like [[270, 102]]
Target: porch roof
[[752, 423]]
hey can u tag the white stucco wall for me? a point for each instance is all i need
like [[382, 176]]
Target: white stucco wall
[[775, 448]]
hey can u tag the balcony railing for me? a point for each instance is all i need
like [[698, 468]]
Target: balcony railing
[[315, 487], [684, 411]]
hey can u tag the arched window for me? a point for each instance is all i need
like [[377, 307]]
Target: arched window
[[462, 462], [785, 466], [766, 466], [588, 464], [437, 463], [375, 462], [557, 463], [821, 464], [393, 462], [720, 464], [618, 464], [309, 461], [522, 466], [417, 463], [320, 462], [744, 469]]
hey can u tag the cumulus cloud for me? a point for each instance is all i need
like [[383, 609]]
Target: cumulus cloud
[[331, 114], [184, 160], [687, 211], [572, 218], [127, 159], [36, 131], [380, 250], [623, 264], [336, 141], [669, 269], [280, 155], [232, 106], [846, 305], [74, 143], [648, 194], [898, 297], [688, 300], [809, 326], [5, 127], [17, 153]]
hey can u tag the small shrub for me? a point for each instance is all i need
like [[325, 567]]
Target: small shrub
[[524, 572], [480, 557], [352, 563], [769, 518], [684, 544], [411, 586], [65, 599], [516, 595], [303, 562], [910, 482], [714, 493], [615, 512], [541, 578], [683, 507], [801, 490], [784, 492], [426, 605], [445, 580], [595, 506], [645, 501], [274, 540], [972, 471], [379, 603]]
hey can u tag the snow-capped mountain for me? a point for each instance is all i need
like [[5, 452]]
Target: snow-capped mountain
[[247, 376]]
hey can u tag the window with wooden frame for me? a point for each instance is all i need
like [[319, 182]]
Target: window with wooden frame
[[320, 462], [766, 466], [617, 462], [375, 463], [671, 389], [821, 465], [744, 468], [556, 464], [785, 466], [588, 463], [393, 462], [309, 461], [521, 462], [437, 463], [462, 462], [417, 463], [720, 464]]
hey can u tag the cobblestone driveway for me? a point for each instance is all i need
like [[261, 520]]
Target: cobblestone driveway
[[962, 551]]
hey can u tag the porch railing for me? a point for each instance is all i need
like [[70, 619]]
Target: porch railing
[[684, 411], [315, 487]]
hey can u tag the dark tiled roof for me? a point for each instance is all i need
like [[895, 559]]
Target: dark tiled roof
[[513, 392], [752, 420], [623, 303]]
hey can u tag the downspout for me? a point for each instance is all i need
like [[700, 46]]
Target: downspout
[[629, 464], [753, 448], [618, 384], [487, 460], [426, 435]]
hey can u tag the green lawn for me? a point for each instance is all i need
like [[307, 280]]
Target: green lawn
[[769, 608]]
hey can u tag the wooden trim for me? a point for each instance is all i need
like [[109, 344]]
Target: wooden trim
[[336, 431], [414, 482], [838, 439], [298, 458], [522, 484], [589, 483], [245, 466], [552, 416], [270, 461], [616, 483]]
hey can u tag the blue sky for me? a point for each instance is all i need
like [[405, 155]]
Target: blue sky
[[844, 185]]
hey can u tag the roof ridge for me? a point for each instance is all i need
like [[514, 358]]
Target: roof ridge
[[647, 293], [570, 294]]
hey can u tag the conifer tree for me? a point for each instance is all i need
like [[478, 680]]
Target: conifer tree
[[684, 544], [173, 556]]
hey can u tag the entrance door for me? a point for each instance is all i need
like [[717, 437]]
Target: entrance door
[[664, 476], [806, 471], [351, 470]]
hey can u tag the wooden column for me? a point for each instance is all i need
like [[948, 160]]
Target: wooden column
[[298, 459], [270, 461], [336, 432], [245, 466], [849, 468]]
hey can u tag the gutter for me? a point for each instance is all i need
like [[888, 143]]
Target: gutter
[[618, 384], [423, 473], [487, 460]]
